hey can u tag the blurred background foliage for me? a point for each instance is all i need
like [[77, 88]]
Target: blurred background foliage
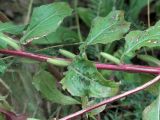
[[19, 95]]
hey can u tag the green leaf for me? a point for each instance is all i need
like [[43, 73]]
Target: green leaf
[[108, 29], [5, 40], [45, 20], [11, 28], [62, 35], [152, 112], [137, 39], [83, 79], [86, 15], [45, 83]]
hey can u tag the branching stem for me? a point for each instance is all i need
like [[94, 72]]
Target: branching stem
[[112, 99], [102, 66]]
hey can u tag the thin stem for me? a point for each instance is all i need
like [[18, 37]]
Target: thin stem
[[29, 12], [112, 99], [25, 55], [148, 13], [77, 21], [55, 46], [121, 67], [129, 68]]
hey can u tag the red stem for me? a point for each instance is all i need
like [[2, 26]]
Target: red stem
[[129, 68], [122, 67], [112, 99]]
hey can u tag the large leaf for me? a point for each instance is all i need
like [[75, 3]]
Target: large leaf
[[46, 19], [83, 79], [62, 35], [11, 28], [45, 83], [152, 112], [108, 29], [137, 39]]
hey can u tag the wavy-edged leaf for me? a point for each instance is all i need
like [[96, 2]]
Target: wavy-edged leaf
[[152, 112], [137, 39], [108, 29], [9, 27], [46, 19], [62, 35], [45, 83], [83, 79]]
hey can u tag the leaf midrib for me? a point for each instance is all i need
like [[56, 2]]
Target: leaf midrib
[[100, 33], [141, 41]]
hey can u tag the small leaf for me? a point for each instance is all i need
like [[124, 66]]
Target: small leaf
[[83, 79], [9, 27], [45, 20], [62, 35], [45, 83], [137, 39], [108, 29], [152, 112]]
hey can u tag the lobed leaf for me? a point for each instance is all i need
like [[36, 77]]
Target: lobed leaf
[[83, 79], [108, 29], [45, 20]]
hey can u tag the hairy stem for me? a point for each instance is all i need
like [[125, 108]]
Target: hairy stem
[[121, 67], [112, 99]]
